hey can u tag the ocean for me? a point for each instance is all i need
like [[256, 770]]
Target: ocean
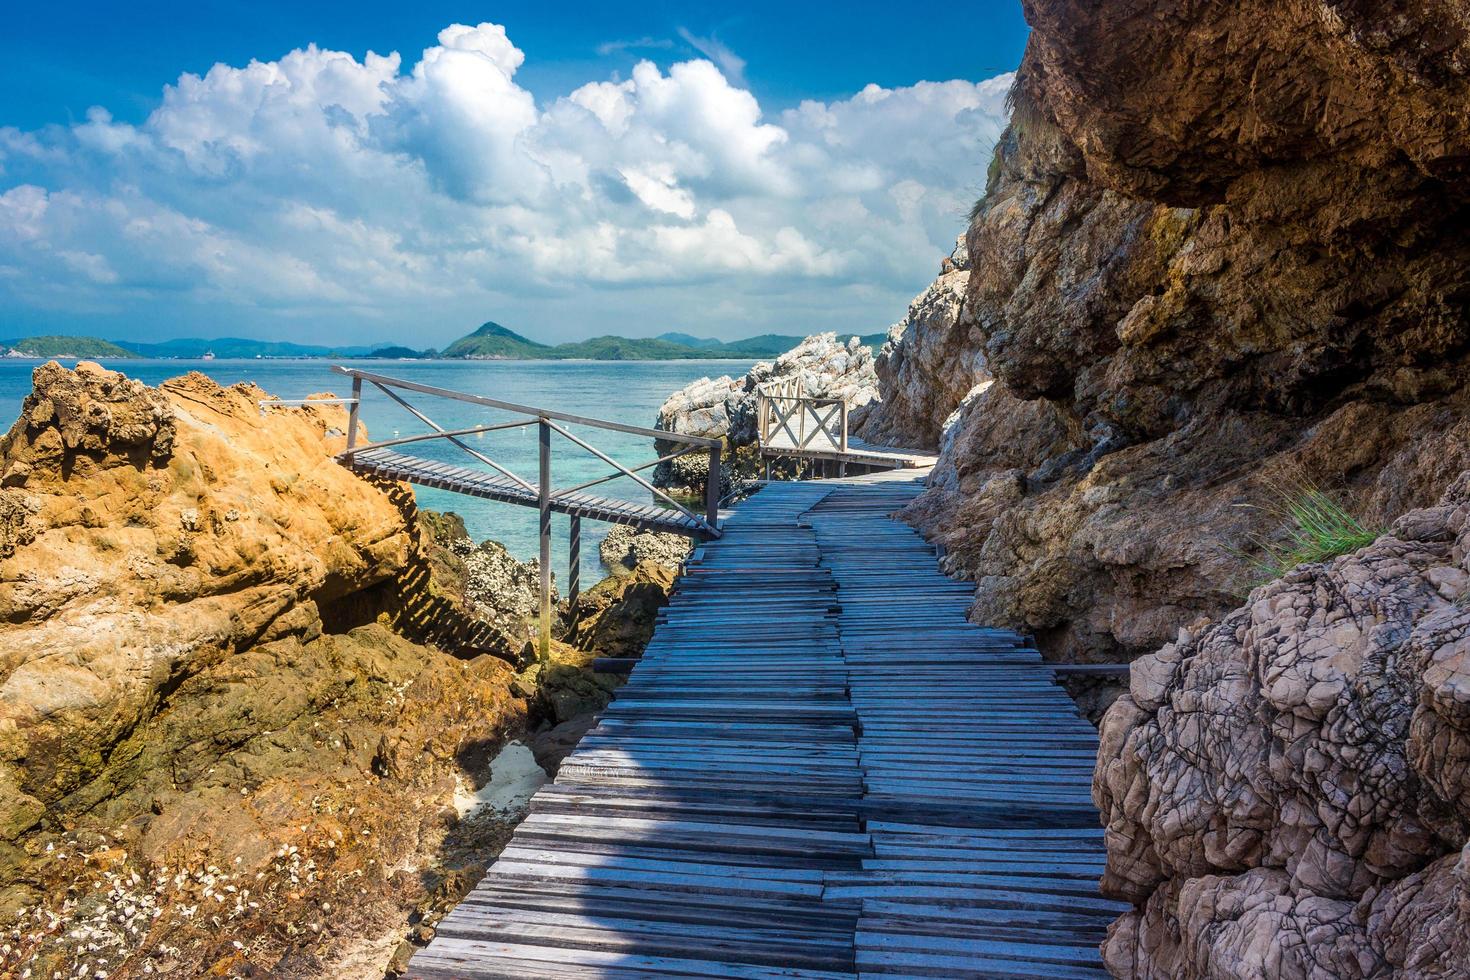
[[620, 391]]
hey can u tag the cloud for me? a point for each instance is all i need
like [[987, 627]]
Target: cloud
[[371, 198], [639, 44], [718, 52]]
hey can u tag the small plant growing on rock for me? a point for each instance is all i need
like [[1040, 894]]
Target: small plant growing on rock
[[1316, 527]]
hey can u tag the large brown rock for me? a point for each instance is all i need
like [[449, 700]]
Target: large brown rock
[[212, 684], [1220, 244], [1287, 791]]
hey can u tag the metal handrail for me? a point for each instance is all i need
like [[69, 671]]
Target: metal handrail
[[442, 433], [626, 471], [545, 495], [634, 476], [427, 436], [545, 413]]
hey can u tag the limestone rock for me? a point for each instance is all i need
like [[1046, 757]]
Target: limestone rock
[[625, 548], [1287, 791], [931, 361], [725, 408], [508, 590]]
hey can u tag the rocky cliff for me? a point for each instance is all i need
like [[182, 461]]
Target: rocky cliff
[[1220, 244], [223, 746], [932, 354], [1223, 250]]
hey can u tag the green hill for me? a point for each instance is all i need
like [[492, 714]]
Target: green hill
[[497, 342], [67, 347], [230, 347], [629, 349], [493, 341], [688, 340]]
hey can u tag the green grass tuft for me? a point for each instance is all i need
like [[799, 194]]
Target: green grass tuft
[[1315, 527]]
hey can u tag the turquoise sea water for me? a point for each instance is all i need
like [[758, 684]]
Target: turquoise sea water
[[621, 391]]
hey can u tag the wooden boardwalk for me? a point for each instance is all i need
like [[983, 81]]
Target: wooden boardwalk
[[818, 769], [858, 453]]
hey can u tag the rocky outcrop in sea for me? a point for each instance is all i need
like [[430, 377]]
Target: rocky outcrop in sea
[[625, 548], [725, 407]]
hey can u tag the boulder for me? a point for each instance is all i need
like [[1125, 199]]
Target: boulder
[[616, 617], [1287, 791], [625, 548]]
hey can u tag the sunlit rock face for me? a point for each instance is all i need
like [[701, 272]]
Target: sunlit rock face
[[726, 408], [931, 361], [1219, 246], [227, 683]]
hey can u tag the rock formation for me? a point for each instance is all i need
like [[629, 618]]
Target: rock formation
[[1287, 791], [725, 407], [495, 586], [1219, 244], [625, 548], [616, 617], [930, 354], [211, 704]]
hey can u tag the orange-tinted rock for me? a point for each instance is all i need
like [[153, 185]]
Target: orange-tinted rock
[[210, 658]]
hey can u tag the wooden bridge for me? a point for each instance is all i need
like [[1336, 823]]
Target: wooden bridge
[[819, 768], [791, 424], [661, 512]]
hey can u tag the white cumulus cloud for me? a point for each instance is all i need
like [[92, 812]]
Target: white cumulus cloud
[[380, 201]]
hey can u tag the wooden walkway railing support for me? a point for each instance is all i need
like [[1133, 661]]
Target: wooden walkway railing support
[[783, 413], [574, 560], [669, 515], [544, 500], [814, 432]]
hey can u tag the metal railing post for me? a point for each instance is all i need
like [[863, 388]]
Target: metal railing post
[[352, 413], [574, 563], [712, 490], [544, 500]]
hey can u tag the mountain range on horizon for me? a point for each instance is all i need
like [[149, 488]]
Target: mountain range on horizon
[[490, 341]]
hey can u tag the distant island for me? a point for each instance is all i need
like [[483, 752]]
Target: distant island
[[495, 342], [490, 342], [193, 348], [57, 346]]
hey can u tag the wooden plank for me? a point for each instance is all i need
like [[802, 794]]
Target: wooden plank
[[763, 794]]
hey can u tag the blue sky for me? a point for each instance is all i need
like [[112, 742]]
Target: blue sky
[[772, 166]]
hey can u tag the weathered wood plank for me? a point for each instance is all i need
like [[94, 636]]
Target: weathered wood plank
[[804, 776]]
